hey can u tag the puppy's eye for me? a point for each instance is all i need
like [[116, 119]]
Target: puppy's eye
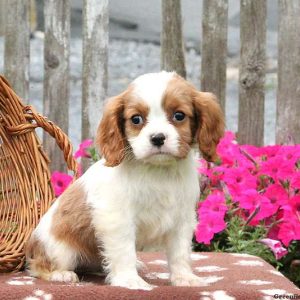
[[178, 116], [137, 120]]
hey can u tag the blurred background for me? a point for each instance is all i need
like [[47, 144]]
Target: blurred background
[[134, 49]]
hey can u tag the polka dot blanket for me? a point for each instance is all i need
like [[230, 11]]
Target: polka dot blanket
[[227, 277]]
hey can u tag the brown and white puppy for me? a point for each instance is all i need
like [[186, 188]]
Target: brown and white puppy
[[141, 195]]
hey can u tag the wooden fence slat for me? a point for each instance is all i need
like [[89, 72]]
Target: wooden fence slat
[[17, 49], [2, 17], [214, 48], [172, 45], [56, 76], [252, 72], [288, 93], [94, 65]]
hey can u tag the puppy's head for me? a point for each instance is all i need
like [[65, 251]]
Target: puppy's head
[[158, 119]]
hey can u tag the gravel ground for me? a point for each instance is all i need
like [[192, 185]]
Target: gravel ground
[[127, 60]]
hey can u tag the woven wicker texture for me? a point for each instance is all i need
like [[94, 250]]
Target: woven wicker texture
[[25, 187]]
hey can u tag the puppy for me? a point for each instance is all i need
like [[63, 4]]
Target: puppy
[[143, 193]]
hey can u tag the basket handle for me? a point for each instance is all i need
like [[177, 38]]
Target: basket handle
[[62, 140]]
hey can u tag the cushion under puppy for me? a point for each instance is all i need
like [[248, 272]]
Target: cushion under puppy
[[141, 195]]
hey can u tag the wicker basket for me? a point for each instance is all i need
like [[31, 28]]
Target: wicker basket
[[25, 188]]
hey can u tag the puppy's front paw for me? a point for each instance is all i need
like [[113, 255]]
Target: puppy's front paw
[[131, 282], [64, 276], [187, 280]]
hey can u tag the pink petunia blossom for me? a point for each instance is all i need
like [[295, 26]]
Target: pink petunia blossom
[[238, 180], [273, 232], [83, 147], [253, 150], [270, 151], [207, 227], [276, 247], [214, 174], [251, 200], [246, 160], [214, 205], [228, 149], [289, 231], [278, 168], [295, 180], [290, 153], [277, 195], [60, 181], [292, 208]]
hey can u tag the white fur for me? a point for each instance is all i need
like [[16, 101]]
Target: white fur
[[151, 87], [146, 203]]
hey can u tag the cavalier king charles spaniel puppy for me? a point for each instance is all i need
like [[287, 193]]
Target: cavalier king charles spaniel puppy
[[141, 195]]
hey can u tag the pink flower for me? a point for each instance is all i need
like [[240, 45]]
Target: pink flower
[[60, 181], [277, 168], [211, 214], [273, 232], [238, 180], [207, 227], [275, 246], [214, 174], [228, 149], [214, 205], [291, 153], [292, 209], [289, 231], [83, 147], [270, 151], [252, 150], [251, 200], [277, 195], [295, 180]]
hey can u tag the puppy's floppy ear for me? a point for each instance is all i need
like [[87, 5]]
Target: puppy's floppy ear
[[211, 124], [110, 136]]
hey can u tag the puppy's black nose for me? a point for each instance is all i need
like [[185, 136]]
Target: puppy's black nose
[[158, 139]]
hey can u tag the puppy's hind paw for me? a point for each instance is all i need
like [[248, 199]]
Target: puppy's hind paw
[[63, 276], [187, 280]]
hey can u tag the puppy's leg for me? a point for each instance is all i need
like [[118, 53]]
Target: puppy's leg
[[56, 265], [179, 256], [120, 260]]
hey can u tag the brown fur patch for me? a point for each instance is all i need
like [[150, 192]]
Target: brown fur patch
[[204, 122], [212, 123], [134, 106], [178, 98], [37, 261], [116, 126], [110, 134], [71, 223]]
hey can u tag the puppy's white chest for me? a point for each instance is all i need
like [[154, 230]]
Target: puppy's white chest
[[154, 219], [155, 207], [159, 209]]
